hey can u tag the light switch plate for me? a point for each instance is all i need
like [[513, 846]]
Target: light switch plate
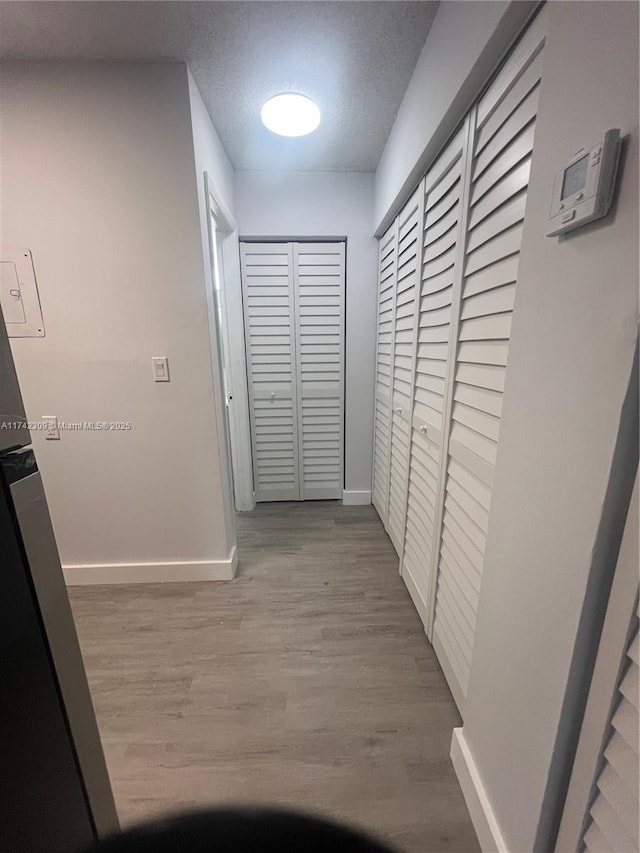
[[51, 428], [160, 365]]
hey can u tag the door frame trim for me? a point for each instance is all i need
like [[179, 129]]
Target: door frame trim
[[232, 345]]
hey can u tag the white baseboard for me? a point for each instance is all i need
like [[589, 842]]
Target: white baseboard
[[92, 574], [480, 810], [356, 498]]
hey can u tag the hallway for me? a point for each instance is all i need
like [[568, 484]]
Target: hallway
[[307, 681]]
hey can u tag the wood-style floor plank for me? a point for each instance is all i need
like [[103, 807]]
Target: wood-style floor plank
[[307, 681]]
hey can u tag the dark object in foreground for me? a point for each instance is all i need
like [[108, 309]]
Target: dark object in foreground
[[240, 830]]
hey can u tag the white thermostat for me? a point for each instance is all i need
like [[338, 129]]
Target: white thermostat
[[583, 189]]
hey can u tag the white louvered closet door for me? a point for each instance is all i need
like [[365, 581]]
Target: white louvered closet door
[[382, 416], [502, 148], [404, 324], [442, 201], [612, 824], [319, 270], [267, 278], [601, 810]]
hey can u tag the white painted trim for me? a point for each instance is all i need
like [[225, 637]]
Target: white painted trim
[[354, 498], [475, 795], [232, 340], [103, 574], [222, 212]]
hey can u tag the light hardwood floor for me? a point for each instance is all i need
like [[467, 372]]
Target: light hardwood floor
[[307, 681]]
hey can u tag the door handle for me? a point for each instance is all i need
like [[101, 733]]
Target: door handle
[[423, 430], [398, 410]]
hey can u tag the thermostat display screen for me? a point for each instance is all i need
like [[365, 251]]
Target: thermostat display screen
[[575, 177]]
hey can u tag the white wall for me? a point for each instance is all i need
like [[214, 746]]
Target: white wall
[[465, 43], [209, 152], [573, 340], [99, 181], [336, 204]]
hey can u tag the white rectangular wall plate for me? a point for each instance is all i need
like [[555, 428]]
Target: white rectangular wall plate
[[583, 189], [19, 294], [51, 427], [160, 365]]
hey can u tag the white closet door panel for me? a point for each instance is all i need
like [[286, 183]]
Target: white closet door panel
[[482, 399], [442, 202], [267, 283], [503, 144], [319, 272], [519, 60], [496, 223], [501, 160], [513, 98], [487, 376], [446, 241], [442, 231], [421, 518], [407, 294], [622, 760], [387, 268], [441, 192], [614, 817], [397, 478]]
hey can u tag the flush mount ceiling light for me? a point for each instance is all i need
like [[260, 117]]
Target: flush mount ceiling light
[[290, 115]]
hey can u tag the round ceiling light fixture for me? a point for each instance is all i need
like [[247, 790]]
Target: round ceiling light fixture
[[290, 115]]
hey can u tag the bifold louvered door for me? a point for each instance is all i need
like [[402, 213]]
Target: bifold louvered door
[[403, 346], [471, 207], [601, 810], [382, 415], [319, 311], [441, 198], [501, 142], [612, 823], [293, 297]]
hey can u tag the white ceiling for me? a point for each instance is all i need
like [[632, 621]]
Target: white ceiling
[[354, 59]]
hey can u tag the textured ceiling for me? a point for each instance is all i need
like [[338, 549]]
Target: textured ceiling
[[354, 59]]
